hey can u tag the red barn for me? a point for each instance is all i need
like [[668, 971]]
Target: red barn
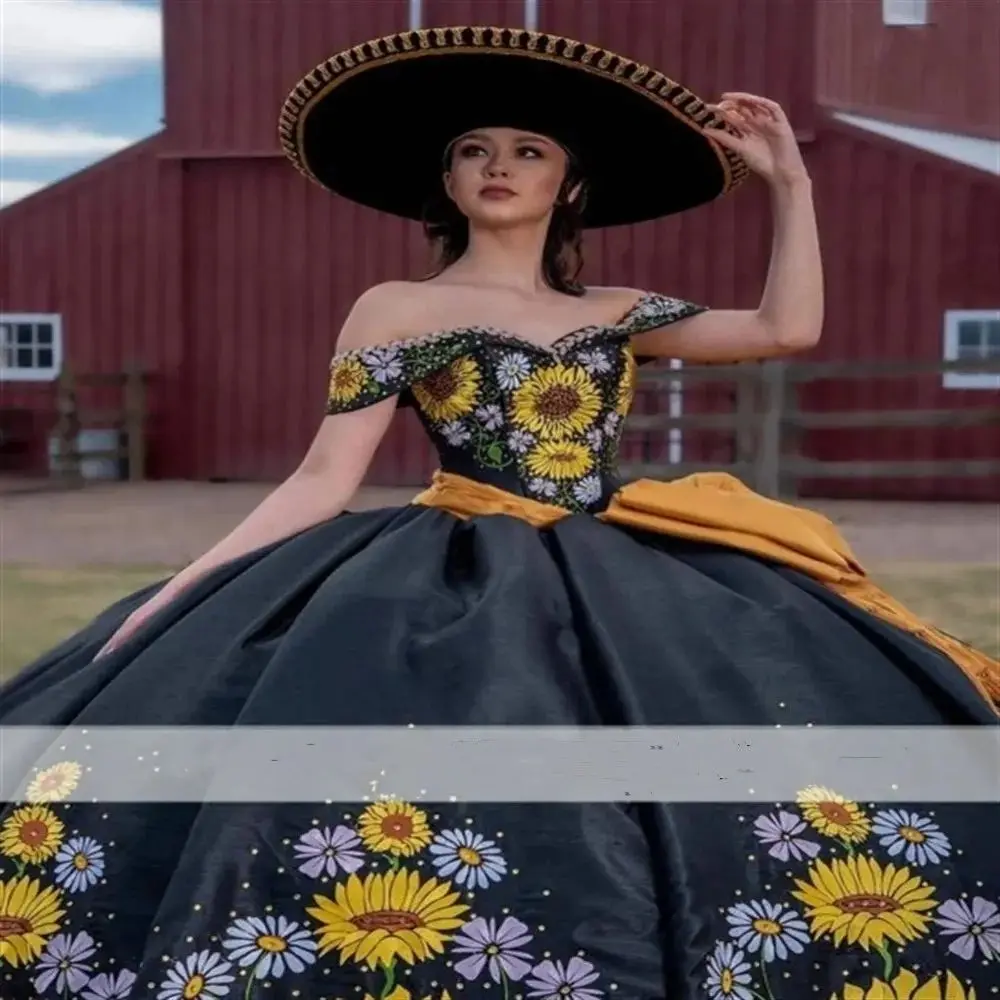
[[201, 255]]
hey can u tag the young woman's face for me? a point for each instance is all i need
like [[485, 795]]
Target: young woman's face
[[501, 177]]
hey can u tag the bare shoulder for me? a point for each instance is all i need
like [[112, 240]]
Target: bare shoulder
[[385, 312], [617, 300]]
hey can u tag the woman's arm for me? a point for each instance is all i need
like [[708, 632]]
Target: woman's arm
[[790, 315]]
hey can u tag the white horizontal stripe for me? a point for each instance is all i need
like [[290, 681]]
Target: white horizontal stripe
[[510, 764]]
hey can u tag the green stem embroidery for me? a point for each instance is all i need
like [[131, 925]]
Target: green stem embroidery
[[251, 979], [505, 983], [887, 963], [390, 980], [767, 984], [19, 867], [393, 862]]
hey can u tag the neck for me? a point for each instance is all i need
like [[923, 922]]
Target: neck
[[507, 258]]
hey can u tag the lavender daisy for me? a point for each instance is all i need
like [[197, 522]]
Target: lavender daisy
[[492, 947], [728, 976], [512, 370], [918, 838], [79, 864], [385, 363], [328, 851], [64, 963], [520, 441], [588, 490], [490, 416], [782, 831], [769, 928], [973, 925], [271, 945], [555, 981], [468, 858], [110, 986]]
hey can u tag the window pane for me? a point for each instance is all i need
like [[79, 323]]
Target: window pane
[[6, 333], [992, 337], [966, 351], [25, 358], [43, 333], [25, 333], [46, 358], [970, 334]]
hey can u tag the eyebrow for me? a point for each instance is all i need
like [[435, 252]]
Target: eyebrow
[[526, 137]]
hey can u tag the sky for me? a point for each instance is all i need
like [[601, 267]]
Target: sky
[[79, 80]]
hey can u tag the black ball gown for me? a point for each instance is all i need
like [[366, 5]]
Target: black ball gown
[[471, 609]]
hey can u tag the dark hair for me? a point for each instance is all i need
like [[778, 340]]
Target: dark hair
[[562, 255]]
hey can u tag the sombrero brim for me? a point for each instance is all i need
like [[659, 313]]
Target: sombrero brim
[[372, 122]]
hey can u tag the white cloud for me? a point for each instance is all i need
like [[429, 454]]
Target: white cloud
[[57, 46], [23, 141], [11, 191]]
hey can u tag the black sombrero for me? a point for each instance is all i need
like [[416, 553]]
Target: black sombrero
[[372, 123]]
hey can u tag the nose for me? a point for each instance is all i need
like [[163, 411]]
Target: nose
[[496, 166]]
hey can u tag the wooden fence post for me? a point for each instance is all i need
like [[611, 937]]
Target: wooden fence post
[[67, 430], [767, 471], [135, 423]]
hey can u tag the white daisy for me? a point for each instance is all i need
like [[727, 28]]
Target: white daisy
[[588, 490], [919, 839], [201, 976], [79, 864], [595, 438], [385, 363], [543, 487], [271, 945], [512, 369], [728, 974], [596, 361], [769, 928], [468, 858]]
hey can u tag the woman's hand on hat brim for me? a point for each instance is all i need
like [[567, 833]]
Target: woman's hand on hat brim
[[760, 132]]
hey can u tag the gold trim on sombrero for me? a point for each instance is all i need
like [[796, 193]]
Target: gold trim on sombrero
[[670, 95]]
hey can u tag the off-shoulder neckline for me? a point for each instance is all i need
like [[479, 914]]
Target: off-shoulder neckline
[[552, 348]]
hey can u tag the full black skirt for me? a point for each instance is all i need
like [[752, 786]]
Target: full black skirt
[[410, 616]]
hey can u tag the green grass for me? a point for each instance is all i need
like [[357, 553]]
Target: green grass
[[40, 607]]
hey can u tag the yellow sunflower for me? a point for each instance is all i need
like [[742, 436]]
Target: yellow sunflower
[[560, 460], [54, 783], [906, 986], [858, 901], [626, 387], [451, 392], [556, 402], [348, 378], [394, 827], [386, 917], [29, 915], [833, 815], [31, 834]]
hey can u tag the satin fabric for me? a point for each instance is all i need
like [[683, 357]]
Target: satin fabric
[[416, 616]]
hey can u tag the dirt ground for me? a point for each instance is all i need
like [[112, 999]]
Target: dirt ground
[[170, 523]]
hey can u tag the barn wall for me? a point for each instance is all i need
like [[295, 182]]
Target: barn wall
[[98, 249], [945, 75]]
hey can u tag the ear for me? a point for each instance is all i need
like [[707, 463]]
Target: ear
[[447, 181]]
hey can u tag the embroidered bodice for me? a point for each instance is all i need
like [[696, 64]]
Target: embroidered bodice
[[539, 421]]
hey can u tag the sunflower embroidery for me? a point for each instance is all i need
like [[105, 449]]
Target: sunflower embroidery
[[906, 986], [451, 392], [833, 815], [556, 402], [626, 386], [394, 827], [387, 917], [54, 783], [29, 916], [31, 834], [348, 379], [560, 460], [859, 901]]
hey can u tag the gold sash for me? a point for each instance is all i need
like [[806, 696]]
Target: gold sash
[[719, 509]]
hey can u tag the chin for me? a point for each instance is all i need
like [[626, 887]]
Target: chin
[[502, 215]]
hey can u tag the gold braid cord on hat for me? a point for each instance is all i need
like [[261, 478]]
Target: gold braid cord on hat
[[672, 96]]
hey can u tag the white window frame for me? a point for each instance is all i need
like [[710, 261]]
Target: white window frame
[[906, 13], [966, 380], [49, 374]]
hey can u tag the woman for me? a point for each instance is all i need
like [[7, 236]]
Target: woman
[[526, 587]]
